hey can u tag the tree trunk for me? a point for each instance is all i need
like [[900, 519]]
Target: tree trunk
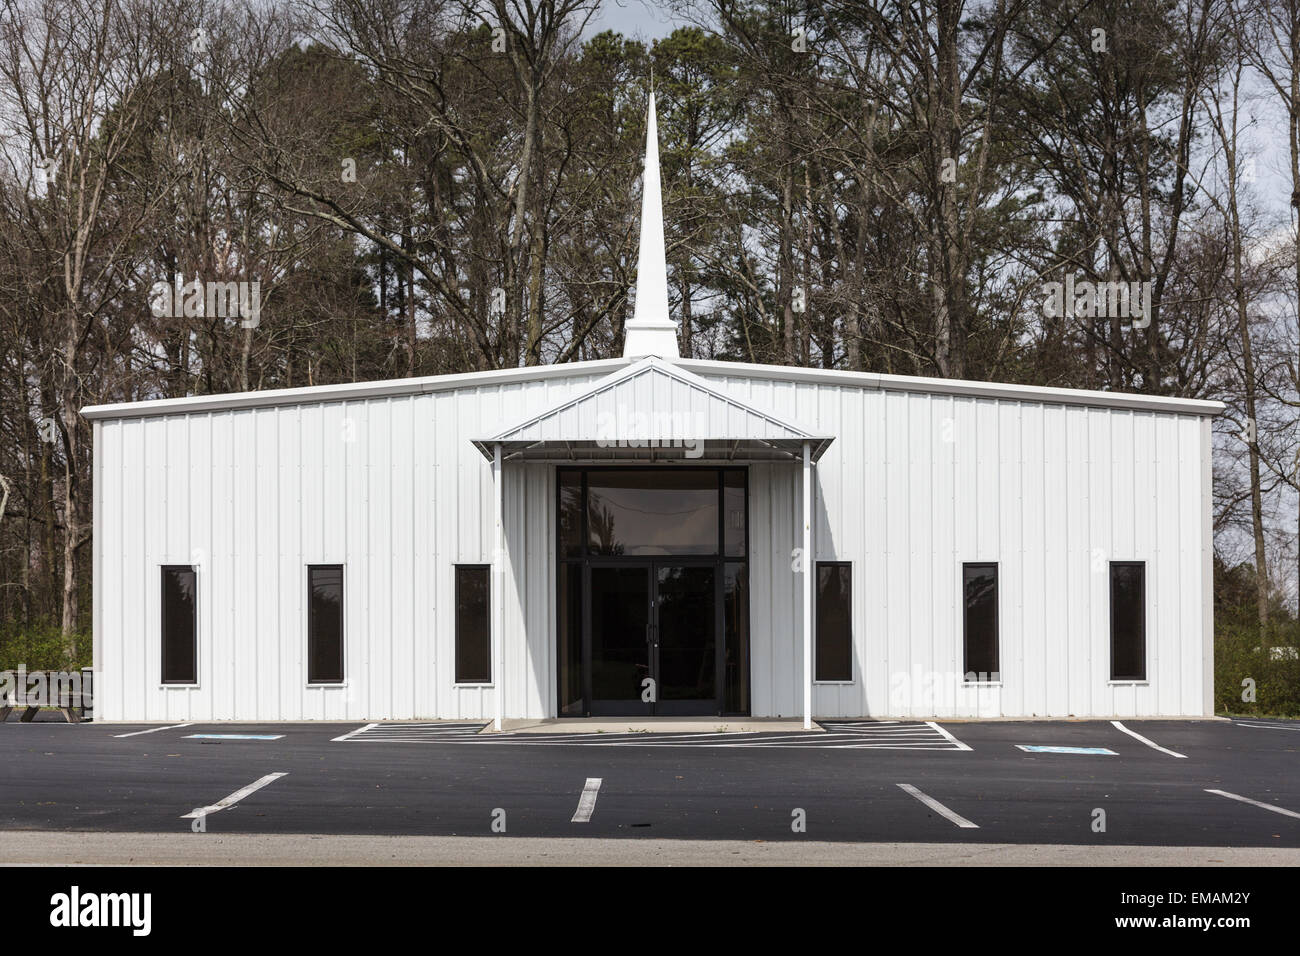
[[950, 346], [1248, 379], [785, 266], [71, 493]]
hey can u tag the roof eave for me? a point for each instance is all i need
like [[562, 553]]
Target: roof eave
[[347, 391], [962, 387]]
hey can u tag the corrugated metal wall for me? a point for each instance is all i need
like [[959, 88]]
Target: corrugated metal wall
[[390, 488], [916, 484], [913, 485]]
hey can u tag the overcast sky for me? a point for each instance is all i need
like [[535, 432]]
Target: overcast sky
[[634, 18]]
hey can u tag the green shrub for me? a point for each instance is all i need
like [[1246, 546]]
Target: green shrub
[[40, 647], [1271, 660]]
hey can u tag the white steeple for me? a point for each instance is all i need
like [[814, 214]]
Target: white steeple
[[651, 330]]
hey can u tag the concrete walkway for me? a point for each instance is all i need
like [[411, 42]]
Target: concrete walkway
[[654, 725], [46, 848]]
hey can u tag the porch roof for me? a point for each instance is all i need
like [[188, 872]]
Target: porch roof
[[654, 410]]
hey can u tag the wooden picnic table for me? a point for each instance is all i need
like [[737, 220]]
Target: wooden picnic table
[[68, 691]]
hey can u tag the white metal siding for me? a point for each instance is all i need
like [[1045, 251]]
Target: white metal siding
[[391, 487], [916, 484]]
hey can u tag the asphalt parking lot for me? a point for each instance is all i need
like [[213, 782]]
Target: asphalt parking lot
[[1176, 783]]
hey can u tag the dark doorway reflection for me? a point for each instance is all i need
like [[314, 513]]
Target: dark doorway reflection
[[686, 633], [570, 510], [652, 591], [644, 512], [735, 617], [569, 641], [620, 639]]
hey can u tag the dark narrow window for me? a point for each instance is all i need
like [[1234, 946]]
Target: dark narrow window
[[980, 597], [1128, 621], [473, 632], [179, 625], [325, 624], [834, 621]]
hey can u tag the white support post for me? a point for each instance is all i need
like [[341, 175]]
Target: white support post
[[498, 585], [809, 568]]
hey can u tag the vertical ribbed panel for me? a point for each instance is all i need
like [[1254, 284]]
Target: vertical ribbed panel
[[913, 485]]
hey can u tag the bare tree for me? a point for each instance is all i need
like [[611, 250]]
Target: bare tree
[[75, 82]]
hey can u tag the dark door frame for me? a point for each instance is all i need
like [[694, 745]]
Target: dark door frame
[[590, 707], [666, 708], [718, 561], [658, 707]]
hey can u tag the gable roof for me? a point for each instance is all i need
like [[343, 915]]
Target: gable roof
[[654, 409]]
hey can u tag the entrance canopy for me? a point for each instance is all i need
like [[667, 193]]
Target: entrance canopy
[[654, 410]]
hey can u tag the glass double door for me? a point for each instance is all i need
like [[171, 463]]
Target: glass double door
[[652, 632]]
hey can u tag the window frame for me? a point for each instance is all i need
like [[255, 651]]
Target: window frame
[[1142, 623], [580, 560], [455, 632], [162, 625], [343, 654], [966, 669], [816, 592]]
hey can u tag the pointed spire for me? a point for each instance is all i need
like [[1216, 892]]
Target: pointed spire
[[651, 330]]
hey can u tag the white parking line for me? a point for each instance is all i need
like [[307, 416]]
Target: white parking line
[[1151, 744], [234, 798], [957, 743], [938, 807], [153, 730], [1255, 803], [1242, 723], [351, 734], [839, 734], [587, 802]]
